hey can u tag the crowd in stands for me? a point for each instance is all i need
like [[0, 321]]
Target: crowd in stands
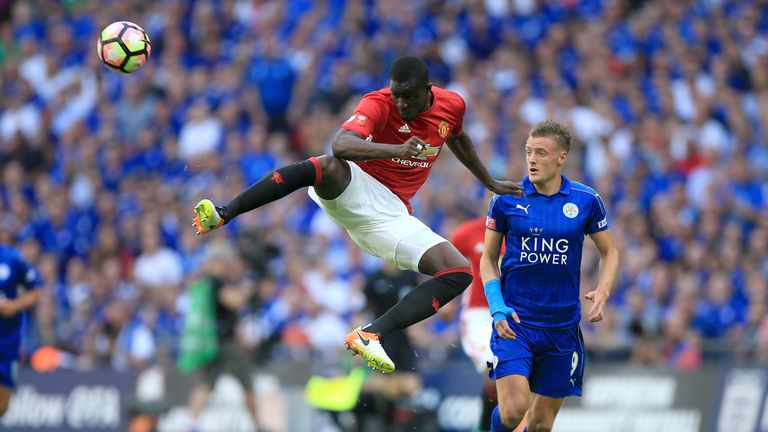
[[668, 100]]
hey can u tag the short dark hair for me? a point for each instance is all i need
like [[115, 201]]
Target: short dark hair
[[409, 68], [559, 132]]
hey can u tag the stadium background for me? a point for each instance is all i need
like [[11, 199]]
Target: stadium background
[[668, 100]]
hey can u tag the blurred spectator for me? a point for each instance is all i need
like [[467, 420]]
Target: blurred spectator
[[274, 77], [336, 91], [232, 291], [134, 111], [201, 134], [21, 116], [157, 265]]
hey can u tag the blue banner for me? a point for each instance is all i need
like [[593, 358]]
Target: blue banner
[[453, 390], [66, 401]]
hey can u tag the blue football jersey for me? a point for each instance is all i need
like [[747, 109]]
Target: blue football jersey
[[16, 275], [544, 237]]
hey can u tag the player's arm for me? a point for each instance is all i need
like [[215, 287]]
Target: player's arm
[[371, 115], [351, 146], [10, 308], [609, 267], [491, 275], [489, 268], [461, 146]]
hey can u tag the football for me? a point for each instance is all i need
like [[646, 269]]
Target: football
[[123, 47]]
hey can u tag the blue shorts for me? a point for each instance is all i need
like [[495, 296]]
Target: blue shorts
[[552, 360], [8, 373]]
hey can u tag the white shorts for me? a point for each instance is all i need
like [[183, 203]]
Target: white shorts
[[378, 221], [476, 329]]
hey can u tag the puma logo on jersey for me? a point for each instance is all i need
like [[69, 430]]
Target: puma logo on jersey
[[404, 129], [525, 209]]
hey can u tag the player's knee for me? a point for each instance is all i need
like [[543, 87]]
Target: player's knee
[[512, 414], [441, 257], [330, 165], [334, 175]]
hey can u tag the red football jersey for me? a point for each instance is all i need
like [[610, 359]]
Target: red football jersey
[[469, 240], [376, 118]]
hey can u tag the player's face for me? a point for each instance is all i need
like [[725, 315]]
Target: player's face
[[410, 97], [544, 158]]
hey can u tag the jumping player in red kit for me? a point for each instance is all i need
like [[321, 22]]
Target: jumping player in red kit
[[381, 156]]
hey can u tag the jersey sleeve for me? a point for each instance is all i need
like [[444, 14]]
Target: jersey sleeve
[[598, 218], [369, 115], [460, 110], [495, 219]]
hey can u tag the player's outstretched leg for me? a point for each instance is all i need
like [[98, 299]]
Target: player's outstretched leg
[[452, 275], [330, 175]]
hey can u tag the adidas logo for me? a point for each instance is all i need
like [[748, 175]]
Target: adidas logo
[[404, 129]]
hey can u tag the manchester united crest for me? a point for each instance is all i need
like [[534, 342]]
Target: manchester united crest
[[443, 129]]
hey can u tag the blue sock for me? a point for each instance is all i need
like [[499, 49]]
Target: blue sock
[[496, 424]]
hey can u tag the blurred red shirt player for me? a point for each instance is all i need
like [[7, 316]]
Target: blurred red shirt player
[[475, 317], [476, 321]]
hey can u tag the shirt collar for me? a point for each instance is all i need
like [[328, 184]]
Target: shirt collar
[[530, 189]]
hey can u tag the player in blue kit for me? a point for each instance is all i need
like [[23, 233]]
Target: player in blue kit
[[534, 295], [18, 281]]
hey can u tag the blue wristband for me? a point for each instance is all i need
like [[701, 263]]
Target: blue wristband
[[499, 316], [493, 294]]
